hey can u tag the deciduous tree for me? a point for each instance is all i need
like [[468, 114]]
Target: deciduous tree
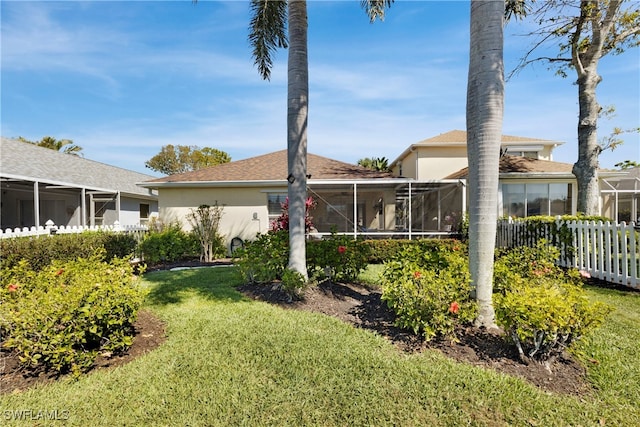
[[185, 158], [585, 31]]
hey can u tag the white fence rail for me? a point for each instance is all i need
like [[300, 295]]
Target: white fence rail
[[607, 251], [50, 228]]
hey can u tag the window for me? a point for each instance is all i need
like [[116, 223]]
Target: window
[[274, 204], [560, 199], [522, 153], [144, 213], [521, 200], [513, 200]]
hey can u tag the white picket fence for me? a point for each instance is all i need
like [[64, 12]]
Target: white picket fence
[[50, 229], [607, 251]]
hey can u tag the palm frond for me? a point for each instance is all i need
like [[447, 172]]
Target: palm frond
[[375, 8], [267, 32]]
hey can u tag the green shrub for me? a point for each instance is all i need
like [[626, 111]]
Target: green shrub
[[542, 320], [118, 245], [169, 244], [384, 249], [39, 252], [60, 317], [339, 258], [428, 287], [293, 282], [205, 223], [526, 266], [542, 308], [381, 250], [264, 259]]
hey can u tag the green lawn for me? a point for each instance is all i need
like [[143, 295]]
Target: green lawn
[[232, 361]]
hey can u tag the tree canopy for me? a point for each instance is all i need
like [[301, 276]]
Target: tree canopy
[[64, 145], [380, 164], [174, 159], [584, 32]]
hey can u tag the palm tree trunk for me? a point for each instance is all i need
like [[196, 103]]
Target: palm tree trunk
[[297, 116], [485, 101]]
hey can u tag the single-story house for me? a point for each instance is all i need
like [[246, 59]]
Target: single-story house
[[424, 195], [349, 198], [39, 184]]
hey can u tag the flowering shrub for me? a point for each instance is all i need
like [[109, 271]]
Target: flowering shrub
[[542, 308], [339, 258], [429, 290], [282, 222], [60, 317]]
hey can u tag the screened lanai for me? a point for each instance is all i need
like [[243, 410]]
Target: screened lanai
[[396, 208], [621, 197]]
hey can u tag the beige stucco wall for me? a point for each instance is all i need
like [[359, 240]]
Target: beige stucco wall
[[439, 162], [239, 207], [545, 154], [408, 166]]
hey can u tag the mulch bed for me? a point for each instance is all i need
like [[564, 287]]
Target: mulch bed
[[363, 308], [149, 334], [359, 306]]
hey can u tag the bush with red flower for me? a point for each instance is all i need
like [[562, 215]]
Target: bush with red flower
[[429, 290], [338, 257], [60, 317]]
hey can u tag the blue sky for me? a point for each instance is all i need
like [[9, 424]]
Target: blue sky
[[122, 79]]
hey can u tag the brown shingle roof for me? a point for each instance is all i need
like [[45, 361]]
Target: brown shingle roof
[[517, 164], [273, 167], [460, 136]]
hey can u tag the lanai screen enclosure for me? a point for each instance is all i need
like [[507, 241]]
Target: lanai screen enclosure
[[398, 208]]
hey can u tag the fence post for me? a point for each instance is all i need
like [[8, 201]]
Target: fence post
[[50, 226]]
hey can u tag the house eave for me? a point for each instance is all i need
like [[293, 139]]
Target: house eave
[[537, 175], [200, 184], [283, 183]]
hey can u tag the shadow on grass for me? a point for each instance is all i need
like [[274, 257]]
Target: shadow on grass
[[211, 283]]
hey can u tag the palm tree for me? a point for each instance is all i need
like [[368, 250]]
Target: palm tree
[[64, 145], [267, 33], [380, 164], [485, 101]]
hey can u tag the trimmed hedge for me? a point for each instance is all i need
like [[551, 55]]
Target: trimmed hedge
[[379, 251], [39, 252]]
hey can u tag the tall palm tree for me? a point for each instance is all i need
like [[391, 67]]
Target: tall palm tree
[[485, 105], [267, 33]]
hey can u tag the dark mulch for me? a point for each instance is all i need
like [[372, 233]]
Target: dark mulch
[[363, 308], [149, 334], [354, 304]]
